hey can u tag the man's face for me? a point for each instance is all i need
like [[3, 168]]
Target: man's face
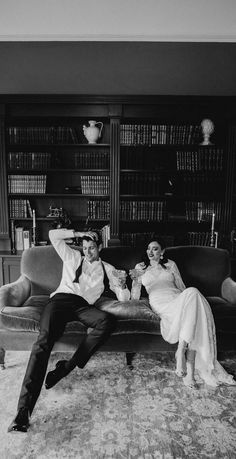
[[91, 251]]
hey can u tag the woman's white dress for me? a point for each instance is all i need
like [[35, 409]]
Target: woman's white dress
[[185, 315]]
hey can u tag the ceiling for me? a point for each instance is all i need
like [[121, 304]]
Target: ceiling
[[110, 20]]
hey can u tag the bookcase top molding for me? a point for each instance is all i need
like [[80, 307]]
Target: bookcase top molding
[[76, 105]]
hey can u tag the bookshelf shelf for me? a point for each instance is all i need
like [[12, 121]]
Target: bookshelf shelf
[[51, 171], [36, 146], [63, 195]]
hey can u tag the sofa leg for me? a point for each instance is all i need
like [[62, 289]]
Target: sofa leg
[[2, 358], [129, 359]]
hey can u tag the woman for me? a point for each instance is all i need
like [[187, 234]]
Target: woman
[[185, 315]]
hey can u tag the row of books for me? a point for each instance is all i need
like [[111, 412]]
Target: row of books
[[106, 235], [92, 159], [29, 160], [98, 209], [42, 135], [146, 183], [31, 184], [201, 211], [199, 184], [136, 239], [139, 158], [139, 239], [20, 208], [210, 159], [201, 238], [143, 210], [159, 134], [95, 184]]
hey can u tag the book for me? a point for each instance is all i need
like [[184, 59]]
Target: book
[[13, 238], [19, 241], [26, 239]]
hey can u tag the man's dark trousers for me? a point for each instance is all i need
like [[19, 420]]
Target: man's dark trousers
[[63, 308]]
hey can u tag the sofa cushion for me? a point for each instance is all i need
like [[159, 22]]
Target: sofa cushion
[[43, 267], [202, 267], [127, 309], [27, 317], [224, 314], [133, 316]]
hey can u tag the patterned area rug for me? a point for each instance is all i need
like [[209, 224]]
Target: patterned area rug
[[107, 411]]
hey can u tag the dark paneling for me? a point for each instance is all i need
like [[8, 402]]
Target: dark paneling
[[118, 68]]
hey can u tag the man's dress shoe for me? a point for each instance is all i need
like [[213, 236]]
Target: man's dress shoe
[[21, 422], [56, 375]]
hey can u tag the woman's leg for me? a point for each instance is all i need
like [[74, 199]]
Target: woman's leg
[[189, 379], [180, 356]]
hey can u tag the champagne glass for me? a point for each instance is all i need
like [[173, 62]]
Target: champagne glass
[[120, 275], [137, 272]]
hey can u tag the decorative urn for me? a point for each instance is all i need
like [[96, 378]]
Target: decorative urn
[[93, 132], [207, 129]]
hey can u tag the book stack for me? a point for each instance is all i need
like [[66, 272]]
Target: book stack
[[204, 159], [159, 134], [201, 211], [92, 159], [28, 160], [20, 208], [132, 183], [42, 135], [98, 209], [143, 210], [95, 184], [32, 184]]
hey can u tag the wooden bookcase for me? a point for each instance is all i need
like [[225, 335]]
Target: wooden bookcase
[[171, 184], [147, 174]]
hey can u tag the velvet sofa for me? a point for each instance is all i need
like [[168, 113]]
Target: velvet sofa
[[138, 328]]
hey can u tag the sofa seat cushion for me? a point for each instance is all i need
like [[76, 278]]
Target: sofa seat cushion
[[27, 317], [224, 314], [138, 326], [133, 316]]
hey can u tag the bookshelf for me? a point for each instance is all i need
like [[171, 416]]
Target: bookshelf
[[148, 173], [54, 173], [170, 183]]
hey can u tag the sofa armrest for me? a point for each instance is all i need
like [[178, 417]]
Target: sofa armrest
[[228, 290], [15, 293]]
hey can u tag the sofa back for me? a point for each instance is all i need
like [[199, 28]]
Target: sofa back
[[201, 267]]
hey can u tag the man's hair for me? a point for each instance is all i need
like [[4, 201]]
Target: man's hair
[[98, 240]]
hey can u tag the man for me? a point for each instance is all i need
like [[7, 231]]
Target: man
[[84, 280]]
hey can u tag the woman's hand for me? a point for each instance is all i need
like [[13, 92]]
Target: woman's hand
[[137, 272]]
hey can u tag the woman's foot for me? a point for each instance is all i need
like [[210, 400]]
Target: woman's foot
[[181, 368], [189, 382]]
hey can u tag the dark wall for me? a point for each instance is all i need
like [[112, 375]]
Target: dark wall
[[118, 68]]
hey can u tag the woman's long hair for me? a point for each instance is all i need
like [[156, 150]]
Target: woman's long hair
[[163, 259]]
